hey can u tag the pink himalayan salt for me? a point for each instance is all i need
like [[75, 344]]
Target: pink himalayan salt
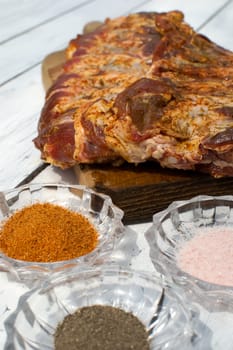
[[209, 256]]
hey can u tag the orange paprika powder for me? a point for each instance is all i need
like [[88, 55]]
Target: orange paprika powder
[[45, 232]]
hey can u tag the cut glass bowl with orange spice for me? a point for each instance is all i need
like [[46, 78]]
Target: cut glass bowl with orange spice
[[101, 217]]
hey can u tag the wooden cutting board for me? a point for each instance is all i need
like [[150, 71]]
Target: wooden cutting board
[[146, 189], [139, 190]]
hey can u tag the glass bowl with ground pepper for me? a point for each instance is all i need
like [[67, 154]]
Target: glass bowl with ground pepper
[[103, 309], [191, 242], [48, 227]]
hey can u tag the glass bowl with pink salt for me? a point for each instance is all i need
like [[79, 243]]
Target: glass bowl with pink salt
[[103, 293], [191, 242], [50, 227]]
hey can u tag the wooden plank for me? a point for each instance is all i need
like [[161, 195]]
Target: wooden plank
[[29, 49], [20, 16], [220, 28], [196, 12], [20, 102]]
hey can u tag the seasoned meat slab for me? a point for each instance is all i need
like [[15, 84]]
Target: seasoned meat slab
[[142, 87]]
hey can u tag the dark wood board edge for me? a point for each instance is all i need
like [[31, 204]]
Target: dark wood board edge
[[154, 198]]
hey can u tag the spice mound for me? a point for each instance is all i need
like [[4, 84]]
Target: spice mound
[[45, 232], [209, 255], [101, 327]]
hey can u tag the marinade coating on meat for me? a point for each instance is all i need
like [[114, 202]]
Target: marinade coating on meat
[[142, 87]]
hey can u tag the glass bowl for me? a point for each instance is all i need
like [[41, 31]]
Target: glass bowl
[[98, 208], [168, 323], [178, 224]]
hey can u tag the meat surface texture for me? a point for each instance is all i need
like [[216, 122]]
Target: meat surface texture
[[142, 87]]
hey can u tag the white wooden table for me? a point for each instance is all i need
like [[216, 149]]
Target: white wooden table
[[29, 30]]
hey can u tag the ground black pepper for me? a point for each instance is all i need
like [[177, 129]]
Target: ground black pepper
[[101, 327]]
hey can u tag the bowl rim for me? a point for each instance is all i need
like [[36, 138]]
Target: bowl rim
[[45, 267], [181, 279], [191, 326]]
